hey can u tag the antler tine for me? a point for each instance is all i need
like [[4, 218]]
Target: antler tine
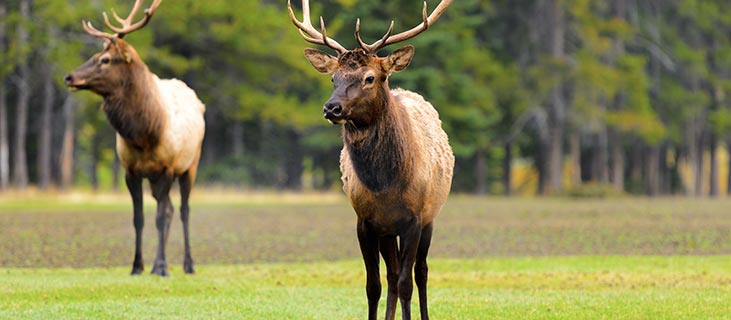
[[88, 28], [116, 17], [403, 36], [127, 26], [372, 48], [309, 33]]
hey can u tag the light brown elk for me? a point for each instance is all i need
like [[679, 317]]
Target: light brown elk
[[396, 161], [159, 125]]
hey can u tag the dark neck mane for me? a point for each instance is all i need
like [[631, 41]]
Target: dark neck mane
[[379, 152], [134, 109]]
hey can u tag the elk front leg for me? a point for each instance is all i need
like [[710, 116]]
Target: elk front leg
[[185, 186], [134, 185], [409, 243], [389, 251], [369, 248], [161, 192]]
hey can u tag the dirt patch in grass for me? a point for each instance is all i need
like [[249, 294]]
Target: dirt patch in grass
[[468, 227]]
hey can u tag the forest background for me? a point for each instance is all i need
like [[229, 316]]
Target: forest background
[[537, 96]]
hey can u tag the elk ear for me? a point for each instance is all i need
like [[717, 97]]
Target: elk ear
[[121, 48], [323, 62], [398, 60]]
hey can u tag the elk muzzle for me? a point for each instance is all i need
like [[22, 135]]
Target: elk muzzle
[[333, 112], [79, 78], [71, 84]]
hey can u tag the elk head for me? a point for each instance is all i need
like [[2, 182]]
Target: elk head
[[360, 77], [112, 67]]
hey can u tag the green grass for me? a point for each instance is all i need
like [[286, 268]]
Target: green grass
[[292, 256], [609, 287]]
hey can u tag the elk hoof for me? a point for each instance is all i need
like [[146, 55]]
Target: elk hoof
[[160, 269], [188, 266], [137, 270]]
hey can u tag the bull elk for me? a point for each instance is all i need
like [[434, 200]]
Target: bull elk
[[159, 125], [396, 161]]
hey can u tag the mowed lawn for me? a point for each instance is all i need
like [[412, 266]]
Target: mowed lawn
[[296, 257]]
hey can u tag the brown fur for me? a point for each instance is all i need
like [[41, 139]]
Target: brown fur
[[160, 128], [409, 143], [396, 167]]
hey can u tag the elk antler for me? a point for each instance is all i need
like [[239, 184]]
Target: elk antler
[[309, 32], [413, 32], [127, 26]]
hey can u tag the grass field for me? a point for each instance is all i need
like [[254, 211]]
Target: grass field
[[296, 257], [649, 287]]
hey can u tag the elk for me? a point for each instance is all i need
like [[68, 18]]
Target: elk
[[396, 161], [159, 126]]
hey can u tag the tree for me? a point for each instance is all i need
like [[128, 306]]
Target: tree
[[4, 65], [23, 83]]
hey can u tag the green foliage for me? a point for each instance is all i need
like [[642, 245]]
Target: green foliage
[[649, 72]]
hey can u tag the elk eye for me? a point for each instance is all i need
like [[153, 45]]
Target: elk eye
[[369, 79], [105, 60]]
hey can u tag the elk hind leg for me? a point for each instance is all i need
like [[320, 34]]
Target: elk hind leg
[[389, 251], [408, 245], [186, 182], [161, 192], [421, 269]]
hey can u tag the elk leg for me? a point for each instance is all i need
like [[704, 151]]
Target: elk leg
[[369, 248], [185, 186], [134, 185], [389, 251], [408, 244], [161, 192], [421, 270]]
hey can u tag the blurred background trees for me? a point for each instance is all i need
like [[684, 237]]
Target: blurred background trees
[[537, 96]]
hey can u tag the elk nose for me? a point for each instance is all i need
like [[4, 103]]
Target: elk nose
[[332, 110], [68, 79]]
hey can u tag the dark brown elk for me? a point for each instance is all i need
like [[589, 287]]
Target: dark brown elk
[[396, 161], [159, 125]]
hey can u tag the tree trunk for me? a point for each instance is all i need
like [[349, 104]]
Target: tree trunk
[[116, 166], [653, 161], [20, 165], [237, 138], [4, 150], [293, 161], [600, 172], [697, 150], [575, 155], [615, 142], [480, 172], [208, 154], [67, 149], [635, 167], [666, 173], [508, 169], [555, 160], [676, 169], [713, 179], [44, 134], [603, 156], [617, 156], [95, 158], [540, 164], [558, 107]]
